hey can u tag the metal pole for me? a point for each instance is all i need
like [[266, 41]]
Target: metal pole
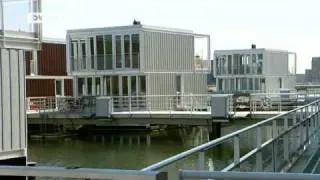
[[236, 149], [286, 140], [201, 160], [259, 165]]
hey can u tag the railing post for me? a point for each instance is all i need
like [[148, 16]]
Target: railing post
[[274, 145], [286, 141], [236, 149], [259, 164], [130, 103], [201, 160], [301, 115], [294, 118]]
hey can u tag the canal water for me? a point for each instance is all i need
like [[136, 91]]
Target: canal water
[[132, 151]]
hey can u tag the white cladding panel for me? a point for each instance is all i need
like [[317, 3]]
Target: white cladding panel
[[168, 52], [12, 109], [275, 63]]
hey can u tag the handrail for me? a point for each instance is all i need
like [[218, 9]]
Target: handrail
[[218, 141], [193, 174], [88, 173]]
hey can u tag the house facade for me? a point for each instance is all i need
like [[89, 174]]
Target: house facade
[[254, 70], [134, 60], [46, 72]]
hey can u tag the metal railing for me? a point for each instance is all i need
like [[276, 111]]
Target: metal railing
[[217, 175], [80, 173], [60, 104], [161, 103], [286, 137], [280, 102]]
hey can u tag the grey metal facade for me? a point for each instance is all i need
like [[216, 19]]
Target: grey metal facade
[[108, 62], [12, 98]]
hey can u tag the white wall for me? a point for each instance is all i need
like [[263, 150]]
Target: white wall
[[12, 108]]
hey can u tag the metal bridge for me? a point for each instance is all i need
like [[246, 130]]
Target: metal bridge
[[289, 150]]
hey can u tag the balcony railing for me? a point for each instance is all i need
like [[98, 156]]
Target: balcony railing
[[105, 62]]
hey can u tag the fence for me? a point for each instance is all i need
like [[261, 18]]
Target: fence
[[161, 103], [286, 137]]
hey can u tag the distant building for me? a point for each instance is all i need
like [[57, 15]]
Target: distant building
[[134, 60], [254, 70], [300, 78], [313, 74]]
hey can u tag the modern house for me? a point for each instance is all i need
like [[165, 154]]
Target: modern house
[[46, 73], [16, 38], [254, 70], [134, 60]]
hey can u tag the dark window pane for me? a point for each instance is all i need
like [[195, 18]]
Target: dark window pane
[[135, 50], [100, 53], [89, 86], [133, 86], [92, 52], [118, 52], [125, 85], [108, 51], [100, 50], [127, 51]]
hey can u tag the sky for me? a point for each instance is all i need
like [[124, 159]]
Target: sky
[[232, 24]]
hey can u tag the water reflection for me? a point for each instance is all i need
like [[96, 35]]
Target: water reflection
[[135, 151]]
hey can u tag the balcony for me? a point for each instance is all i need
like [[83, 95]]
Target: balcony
[[105, 62]]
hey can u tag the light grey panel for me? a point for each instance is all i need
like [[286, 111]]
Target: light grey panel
[[168, 52], [6, 98], [1, 104], [22, 88], [15, 100]]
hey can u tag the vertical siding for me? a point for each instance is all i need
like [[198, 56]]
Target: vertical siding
[[12, 100], [68, 87], [40, 87], [168, 52], [52, 59]]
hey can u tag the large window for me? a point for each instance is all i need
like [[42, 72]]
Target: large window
[[92, 52], [229, 64], [83, 55], [98, 86], [115, 85], [125, 89], [80, 86], [108, 51], [127, 51], [118, 52], [100, 53], [133, 86], [74, 55], [135, 50], [254, 64], [218, 65], [236, 63], [89, 86], [142, 83]]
